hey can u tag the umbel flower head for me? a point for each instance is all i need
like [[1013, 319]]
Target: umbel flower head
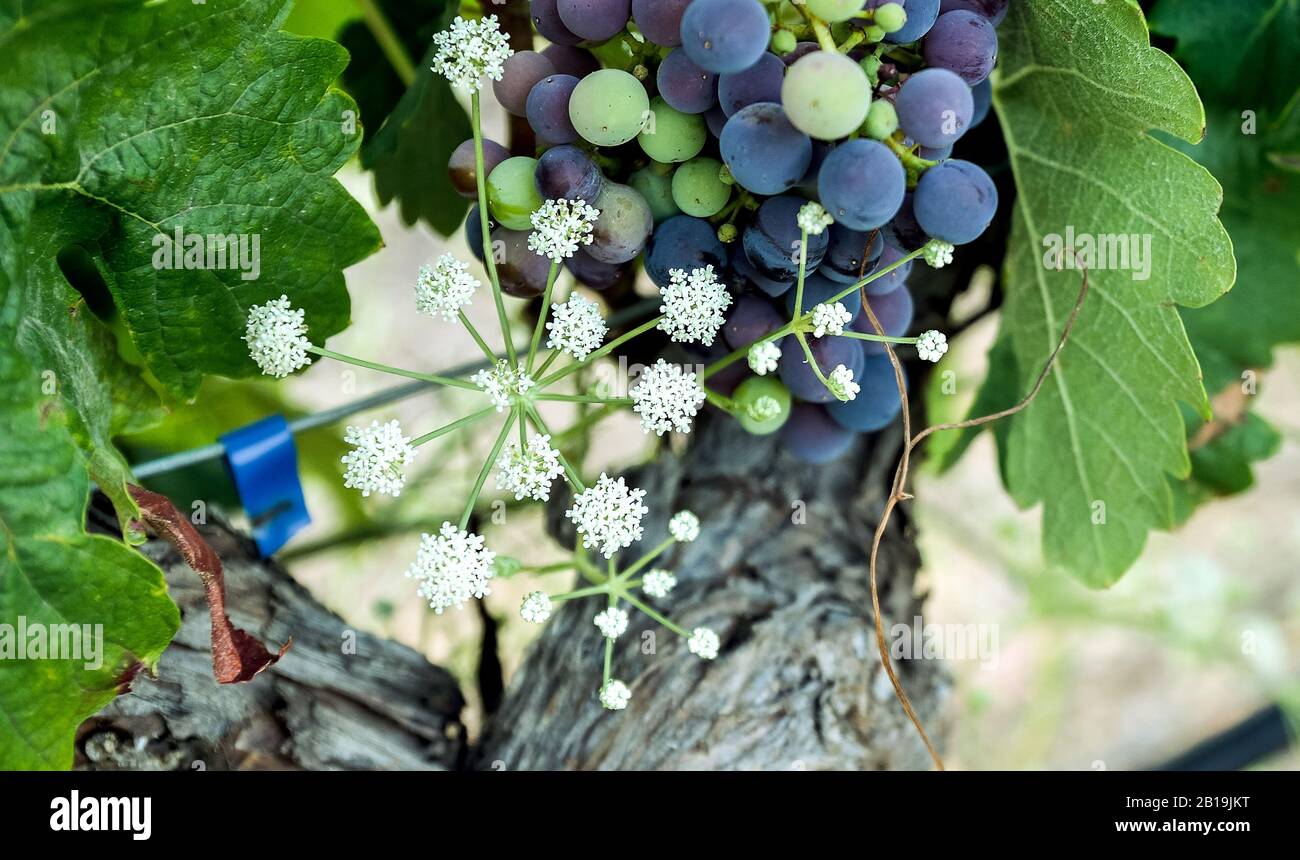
[[276, 337], [608, 515], [684, 527], [612, 622], [830, 319], [693, 305], [536, 608], [658, 582], [560, 226], [842, 384], [813, 219], [530, 473], [378, 458], [938, 253], [615, 695], [469, 51], [452, 567], [931, 345], [703, 643], [502, 383], [442, 289], [764, 357], [576, 327], [666, 398]]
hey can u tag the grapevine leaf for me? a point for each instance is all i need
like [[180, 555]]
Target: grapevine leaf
[[1078, 90], [53, 573], [137, 120]]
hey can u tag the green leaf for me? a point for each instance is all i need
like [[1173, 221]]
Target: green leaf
[[132, 121], [1078, 90], [53, 573]]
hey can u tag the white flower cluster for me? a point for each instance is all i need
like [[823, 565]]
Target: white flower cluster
[[667, 398], [938, 253], [452, 567], [931, 345], [615, 695], [560, 226], [375, 463], [536, 608], [813, 219], [830, 319], [658, 582], [442, 289], [576, 327], [684, 527], [612, 622], [276, 337], [529, 474], [503, 383], [693, 305], [763, 357], [469, 51], [703, 643], [763, 408], [608, 515], [842, 384]]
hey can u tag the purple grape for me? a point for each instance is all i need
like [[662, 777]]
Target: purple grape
[[931, 154], [955, 201], [624, 225], [660, 20], [462, 170], [684, 85], [567, 171], [725, 35], [994, 10], [982, 96], [474, 232], [521, 72], [716, 119], [934, 107], [766, 154], [878, 402], [548, 109], [771, 240], [817, 289], [596, 20], [685, 243], [851, 254], [523, 273], [810, 435], [750, 318], [884, 284], [921, 15], [740, 263], [964, 43], [829, 352], [546, 18], [590, 272], [761, 82], [893, 311], [569, 60], [862, 184], [903, 231], [800, 51]]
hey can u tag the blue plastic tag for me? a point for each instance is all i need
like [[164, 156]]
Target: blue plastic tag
[[263, 462]]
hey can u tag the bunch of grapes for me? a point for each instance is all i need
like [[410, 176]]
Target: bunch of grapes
[[724, 119]]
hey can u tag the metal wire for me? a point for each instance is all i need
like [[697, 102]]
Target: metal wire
[[324, 418]]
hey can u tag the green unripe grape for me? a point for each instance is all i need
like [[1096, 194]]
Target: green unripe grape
[[826, 95], [671, 136], [882, 120], [655, 184], [608, 107], [783, 41], [834, 10], [874, 33], [762, 404], [728, 233], [697, 188], [871, 66], [512, 192], [891, 17]]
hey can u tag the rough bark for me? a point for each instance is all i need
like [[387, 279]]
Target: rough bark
[[797, 685], [339, 699]]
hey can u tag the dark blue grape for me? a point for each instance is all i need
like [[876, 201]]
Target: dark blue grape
[[771, 240], [624, 224], [903, 231], [862, 184], [548, 109], [955, 201], [982, 96], [829, 352], [463, 171], [592, 272], [810, 435], [521, 72], [567, 171], [660, 20], [943, 153], [964, 43], [761, 82], [851, 254], [921, 15], [725, 35], [751, 318], [876, 405], [889, 255], [740, 263], [716, 120], [596, 20], [817, 289], [474, 232], [684, 85], [893, 311], [685, 243], [766, 154], [934, 107], [546, 18], [994, 10]]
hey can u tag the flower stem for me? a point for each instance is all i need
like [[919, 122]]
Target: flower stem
[[550, 359], [478, 339], [541, 315], [644, 560], [574, 479], [453, 426], [395, 371], [656, 616], [585, 398], [489, 258], [487, 467], [581, 592], [857, 335], [726, 404]]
